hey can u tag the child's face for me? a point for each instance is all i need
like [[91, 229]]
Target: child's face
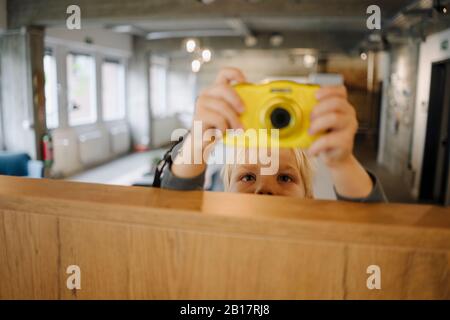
[[247, 178]]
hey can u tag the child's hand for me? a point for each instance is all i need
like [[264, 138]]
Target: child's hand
[[219, 106], [336, 117]]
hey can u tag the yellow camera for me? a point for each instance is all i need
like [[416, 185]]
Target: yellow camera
[[282, 105]]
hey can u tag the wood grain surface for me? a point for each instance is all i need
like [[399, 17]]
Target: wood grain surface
[[145, 243]]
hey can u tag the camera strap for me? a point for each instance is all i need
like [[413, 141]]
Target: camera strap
[[166, 160]]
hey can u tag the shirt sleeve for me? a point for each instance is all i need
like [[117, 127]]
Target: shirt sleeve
[[170, 181], [376, 195]]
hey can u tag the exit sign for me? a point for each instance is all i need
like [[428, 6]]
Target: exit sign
[[444, 45]]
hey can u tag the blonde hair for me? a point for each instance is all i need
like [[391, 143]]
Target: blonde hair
[[304, 165]]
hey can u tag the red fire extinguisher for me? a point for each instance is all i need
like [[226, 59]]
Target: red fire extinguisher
[[47, 150]]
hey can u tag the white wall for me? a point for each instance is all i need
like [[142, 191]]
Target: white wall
[[3, 20], [257, 65], [181, 86], [430, 52]]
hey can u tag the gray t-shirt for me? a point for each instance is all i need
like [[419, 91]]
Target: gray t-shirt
[[170, 181]]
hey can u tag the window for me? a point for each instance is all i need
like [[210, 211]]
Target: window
[[113, 90], [51, 92], [158, 86], [81, 89], [184, 84]]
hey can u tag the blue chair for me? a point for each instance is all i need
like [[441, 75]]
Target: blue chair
[[20, 164]]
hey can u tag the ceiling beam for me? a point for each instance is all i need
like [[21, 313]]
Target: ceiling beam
[[239, 26], [160, 35], [324, 42]]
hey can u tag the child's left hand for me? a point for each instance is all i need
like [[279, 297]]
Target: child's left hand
[[336, 118]]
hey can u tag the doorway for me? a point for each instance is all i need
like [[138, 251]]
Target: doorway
[[435, 179]]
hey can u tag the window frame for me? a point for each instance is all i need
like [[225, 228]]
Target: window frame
[[160, 61], [95, 86], [123, 64], [50, 50], [63, 47]]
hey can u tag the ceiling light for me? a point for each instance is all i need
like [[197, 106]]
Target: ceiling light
[[251, 41], [276, 40], [206, 55], [190, 45], [442, 9], [375, 37], [196, 65], [309, 60], [123, 28]]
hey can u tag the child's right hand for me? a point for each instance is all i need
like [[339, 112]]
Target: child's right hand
[[219, 106]]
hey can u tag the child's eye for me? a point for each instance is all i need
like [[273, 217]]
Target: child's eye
[[248, 177], [285, 178]]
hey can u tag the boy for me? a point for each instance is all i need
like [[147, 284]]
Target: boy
[[219, 107]]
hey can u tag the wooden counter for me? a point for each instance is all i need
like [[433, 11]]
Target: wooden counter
[[146, 243]]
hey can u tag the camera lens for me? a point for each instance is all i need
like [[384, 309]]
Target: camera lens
[[280, 118]]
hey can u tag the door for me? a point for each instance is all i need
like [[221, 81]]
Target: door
[[434, 187]]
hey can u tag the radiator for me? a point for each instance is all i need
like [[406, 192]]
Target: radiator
[[120, 139], [94, 147], [162, 129], [67, 161]]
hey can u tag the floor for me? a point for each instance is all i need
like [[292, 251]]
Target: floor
[[132, 169], [395, 188], [127, 170]]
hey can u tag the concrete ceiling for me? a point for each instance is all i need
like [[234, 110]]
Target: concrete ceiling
[[303, 23], [189, 14], [241, 26], [240, 17]]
